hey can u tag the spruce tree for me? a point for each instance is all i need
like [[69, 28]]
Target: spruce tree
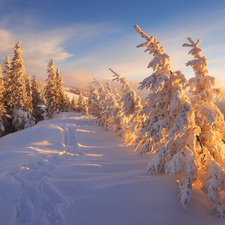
[[29, 92], [73, 105], [93, 100], [211, 122], [113, 112], [51, 91], [2, 109], [131, 121], [85, 109], [19, 94], [80, 103], [62, 103], [7, 95], [36, 101], [169, 130], [21, 114], [106, 118], [100, 102]]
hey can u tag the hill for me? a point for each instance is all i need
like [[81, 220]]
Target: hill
[[69, 171]]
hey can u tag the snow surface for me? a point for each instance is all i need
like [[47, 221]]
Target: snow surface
[[70, 94], [69, 171]]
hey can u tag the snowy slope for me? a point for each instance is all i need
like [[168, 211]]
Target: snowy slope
[[68, 171], [70, 94]]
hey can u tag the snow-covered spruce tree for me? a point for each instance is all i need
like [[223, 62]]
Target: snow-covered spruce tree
[[67, 103], [41, 89], [2, 109], [105, 102], [93, 100], [80, 103], [130, 119], [73, 104], [101, 100], [85, 109], [211, 121], [116, 109], [2, 88], [21, 115], [51, 91], [60, 94], [107, 108], [29, 92], [169, 130], [7, 95], [36, 101]]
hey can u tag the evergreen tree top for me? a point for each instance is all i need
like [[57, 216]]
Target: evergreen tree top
[[161, 60]]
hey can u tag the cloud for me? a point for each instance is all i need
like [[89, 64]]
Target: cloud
[[6, 40], [39, 46], [77, 78]]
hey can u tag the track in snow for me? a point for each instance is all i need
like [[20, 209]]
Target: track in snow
[[38, 201]]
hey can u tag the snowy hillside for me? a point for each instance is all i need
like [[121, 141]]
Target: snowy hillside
[[69, 171], [71, 95]]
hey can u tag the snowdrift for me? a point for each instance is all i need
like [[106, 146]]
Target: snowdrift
[[69, 171]]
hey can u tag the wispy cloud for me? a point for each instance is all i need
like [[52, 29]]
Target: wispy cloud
[[39, 46]]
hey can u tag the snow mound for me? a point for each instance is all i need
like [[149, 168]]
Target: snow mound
[[69, 171]]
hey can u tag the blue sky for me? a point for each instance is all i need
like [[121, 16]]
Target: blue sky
[[85, 38]]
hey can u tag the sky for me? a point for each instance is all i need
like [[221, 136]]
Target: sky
[[86, 38]]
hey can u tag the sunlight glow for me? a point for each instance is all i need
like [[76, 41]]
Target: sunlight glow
[[87, 165], [87, 131], [64, 152], [41, 143], [45, 151], [84, 146], [26, 168], [88, 154]]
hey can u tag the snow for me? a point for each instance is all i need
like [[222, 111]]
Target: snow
[[70, 94], [69, 171]]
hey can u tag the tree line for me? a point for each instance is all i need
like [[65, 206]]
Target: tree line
[[21, 96], [185, 133]]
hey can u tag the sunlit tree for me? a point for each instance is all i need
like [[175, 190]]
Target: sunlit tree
[[21, 115], [131, 120], [2, 109], [80, 104], [36, 101], [29, 92], [102, 91], [51, 91], [62, 103], [170, 130], [7, 95], [73, 105], [93, 100], [211, 122]]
